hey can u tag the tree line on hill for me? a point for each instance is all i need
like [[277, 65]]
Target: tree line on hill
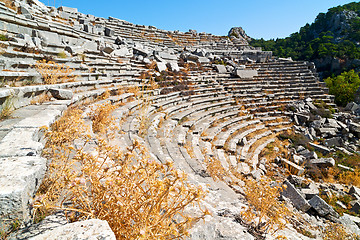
[[332, 42]]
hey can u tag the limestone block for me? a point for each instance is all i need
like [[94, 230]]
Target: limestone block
[[90, 46], [44, 118], [310, 191], [323, 162], [295, 197], [109, 32], [352, 106], [294, 167], [203, 60], [320, 148], [351, 222], [243, 168], [160, 66], [220, 68], [49, 223], [354, 190], [335, 141], [19, 179], [249, 74], [61, 94], [92, 229], [49, 38], [64, 15], [20, 142], [68, 9], [166, 56], [122, 52], [355, 128], [322, 208]]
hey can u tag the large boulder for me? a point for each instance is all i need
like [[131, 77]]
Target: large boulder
[[239, 34], [322, 208], [295, 197]]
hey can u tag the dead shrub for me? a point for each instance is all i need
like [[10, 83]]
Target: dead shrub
[[53, 73], [336, 231], [102, 121], [265, 214]]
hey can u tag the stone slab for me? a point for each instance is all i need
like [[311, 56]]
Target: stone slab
[[20, 142], [19, 179], [44, 118], [247, 74], [92, 229], [295, 197]]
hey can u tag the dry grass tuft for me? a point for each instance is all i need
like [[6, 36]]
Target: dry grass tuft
[[53, 73], [265, 214], [336, 231], [42, 98], [102, 121]]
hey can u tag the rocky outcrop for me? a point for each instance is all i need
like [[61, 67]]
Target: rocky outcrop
[[239, 34]]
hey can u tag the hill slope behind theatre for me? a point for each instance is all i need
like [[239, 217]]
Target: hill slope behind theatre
[[331, 42]]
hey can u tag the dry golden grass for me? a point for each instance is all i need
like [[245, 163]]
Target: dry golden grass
[[265, 214], [336, 231], [9, 4], [215, 169], [138, 197], [350, 178], [42, 98], [104, 95], [53, 73], [7, 108], [270, 154], [102, 121]]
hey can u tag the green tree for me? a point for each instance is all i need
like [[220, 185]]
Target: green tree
[[343, 86]]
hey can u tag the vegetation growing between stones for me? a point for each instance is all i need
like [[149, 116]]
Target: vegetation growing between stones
[[336, 231], [3, 37], [265, 214], [140, 198], [53, 73], [7, 107]]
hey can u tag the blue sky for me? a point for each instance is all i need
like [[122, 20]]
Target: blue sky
[[259, 18]]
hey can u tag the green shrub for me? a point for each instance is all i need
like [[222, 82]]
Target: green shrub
[[3, 38], [343, 86]]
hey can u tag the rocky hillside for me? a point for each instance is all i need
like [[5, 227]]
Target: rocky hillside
[[332, 41]]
